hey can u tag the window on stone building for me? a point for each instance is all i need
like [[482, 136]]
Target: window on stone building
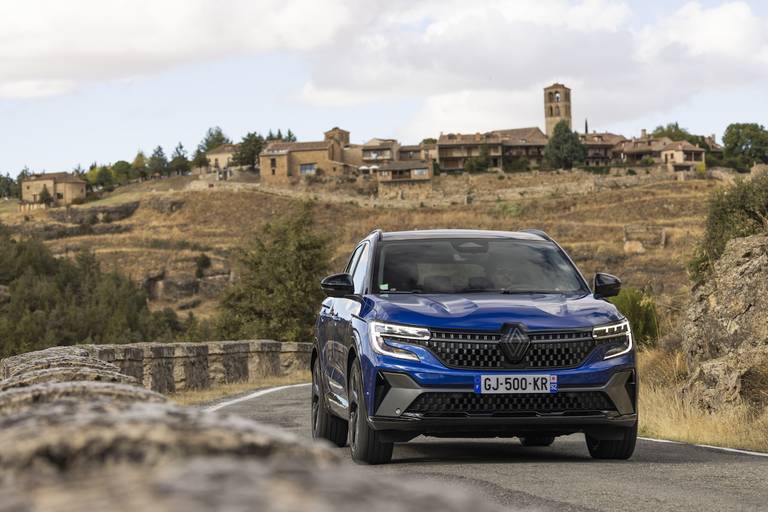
[[557, 111], [307, 169], [557, 97], [551, 97], [273, 163]]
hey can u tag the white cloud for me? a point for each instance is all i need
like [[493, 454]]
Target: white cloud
[[472, 65], [46, 44]]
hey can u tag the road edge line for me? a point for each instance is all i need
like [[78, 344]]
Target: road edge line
[[709, 446], [251, 396], [267, 391]]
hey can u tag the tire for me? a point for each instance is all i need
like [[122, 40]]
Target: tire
[[324, 424], [620, 449], [365, 443], [537, 440]]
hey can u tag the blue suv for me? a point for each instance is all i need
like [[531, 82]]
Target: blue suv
[[465, 333]]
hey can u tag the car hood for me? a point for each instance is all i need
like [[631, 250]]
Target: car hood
[[490, 311]]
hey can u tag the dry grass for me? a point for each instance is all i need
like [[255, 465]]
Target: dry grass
[[202, 396], [665, 414], [592, 231]]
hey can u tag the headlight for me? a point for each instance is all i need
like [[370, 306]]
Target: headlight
[[380, 332], [617, 338]]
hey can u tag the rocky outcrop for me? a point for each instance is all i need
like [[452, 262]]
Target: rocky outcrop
[[725, 334], [94, 214], [162, 204]]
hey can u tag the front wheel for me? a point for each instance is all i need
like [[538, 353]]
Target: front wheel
[[615, 448], [324, 424], [366, 444]]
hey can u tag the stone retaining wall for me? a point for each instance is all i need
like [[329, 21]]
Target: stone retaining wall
[[169, 367]]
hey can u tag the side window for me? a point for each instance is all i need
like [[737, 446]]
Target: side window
[[361, 270], [353, 260]]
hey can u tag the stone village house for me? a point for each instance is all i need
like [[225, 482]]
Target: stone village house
[[65, 188]]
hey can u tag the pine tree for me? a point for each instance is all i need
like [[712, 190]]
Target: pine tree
[[179, 162], [158, 163], [564, 148], [277, 293]]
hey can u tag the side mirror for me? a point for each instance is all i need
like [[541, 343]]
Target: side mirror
[[338, 285], [607, 285]]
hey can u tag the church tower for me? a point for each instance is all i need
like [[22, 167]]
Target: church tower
[[557, 106]]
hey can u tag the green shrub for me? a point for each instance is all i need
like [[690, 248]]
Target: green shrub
[[278, 292], [640, 309], [631, 172], [517, 164], [509, 210], [737, 211], [647, 161], [63, 302], [202, 263]]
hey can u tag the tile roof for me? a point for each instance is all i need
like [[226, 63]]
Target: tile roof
[[514, 136], [602, 139], [379, 143], [284, 147], [682, 145], [644, 145], [223, 148], [60, 177]]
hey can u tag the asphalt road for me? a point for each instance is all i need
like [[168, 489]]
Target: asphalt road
[[562, 477]]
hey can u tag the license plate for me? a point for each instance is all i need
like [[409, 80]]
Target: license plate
[[511, 384]]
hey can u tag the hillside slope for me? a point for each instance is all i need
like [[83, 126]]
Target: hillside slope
[[158, 243]]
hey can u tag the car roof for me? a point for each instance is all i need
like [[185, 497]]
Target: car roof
[[428, 234]]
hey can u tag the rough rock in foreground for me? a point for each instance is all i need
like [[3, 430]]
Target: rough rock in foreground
[[80, 436], [67, 374], [224, 483], [725, 334], [15, 400]]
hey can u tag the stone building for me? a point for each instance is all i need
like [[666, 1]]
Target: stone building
[[646, 147], [221, 156], [600, 148], [287, 162], [377, 152], [64, 188], [683, 156], [405, 179], [557, 106], [498, 147]]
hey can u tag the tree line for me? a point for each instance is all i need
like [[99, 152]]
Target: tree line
[[158, 163]]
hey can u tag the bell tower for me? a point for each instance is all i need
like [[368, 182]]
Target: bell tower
[[557, 106]]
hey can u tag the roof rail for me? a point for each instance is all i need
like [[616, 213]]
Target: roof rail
[[376, 232], [539, 232]]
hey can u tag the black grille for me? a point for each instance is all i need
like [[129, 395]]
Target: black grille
[[468, 350], [453, 404]]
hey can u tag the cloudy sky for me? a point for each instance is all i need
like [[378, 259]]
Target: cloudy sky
[[96, 80]]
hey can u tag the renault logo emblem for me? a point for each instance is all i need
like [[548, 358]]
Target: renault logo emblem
[[514, 344]]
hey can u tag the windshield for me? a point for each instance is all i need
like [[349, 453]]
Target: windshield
[[475, 266]]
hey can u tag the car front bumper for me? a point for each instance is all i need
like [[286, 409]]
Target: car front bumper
[[401, 390]]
